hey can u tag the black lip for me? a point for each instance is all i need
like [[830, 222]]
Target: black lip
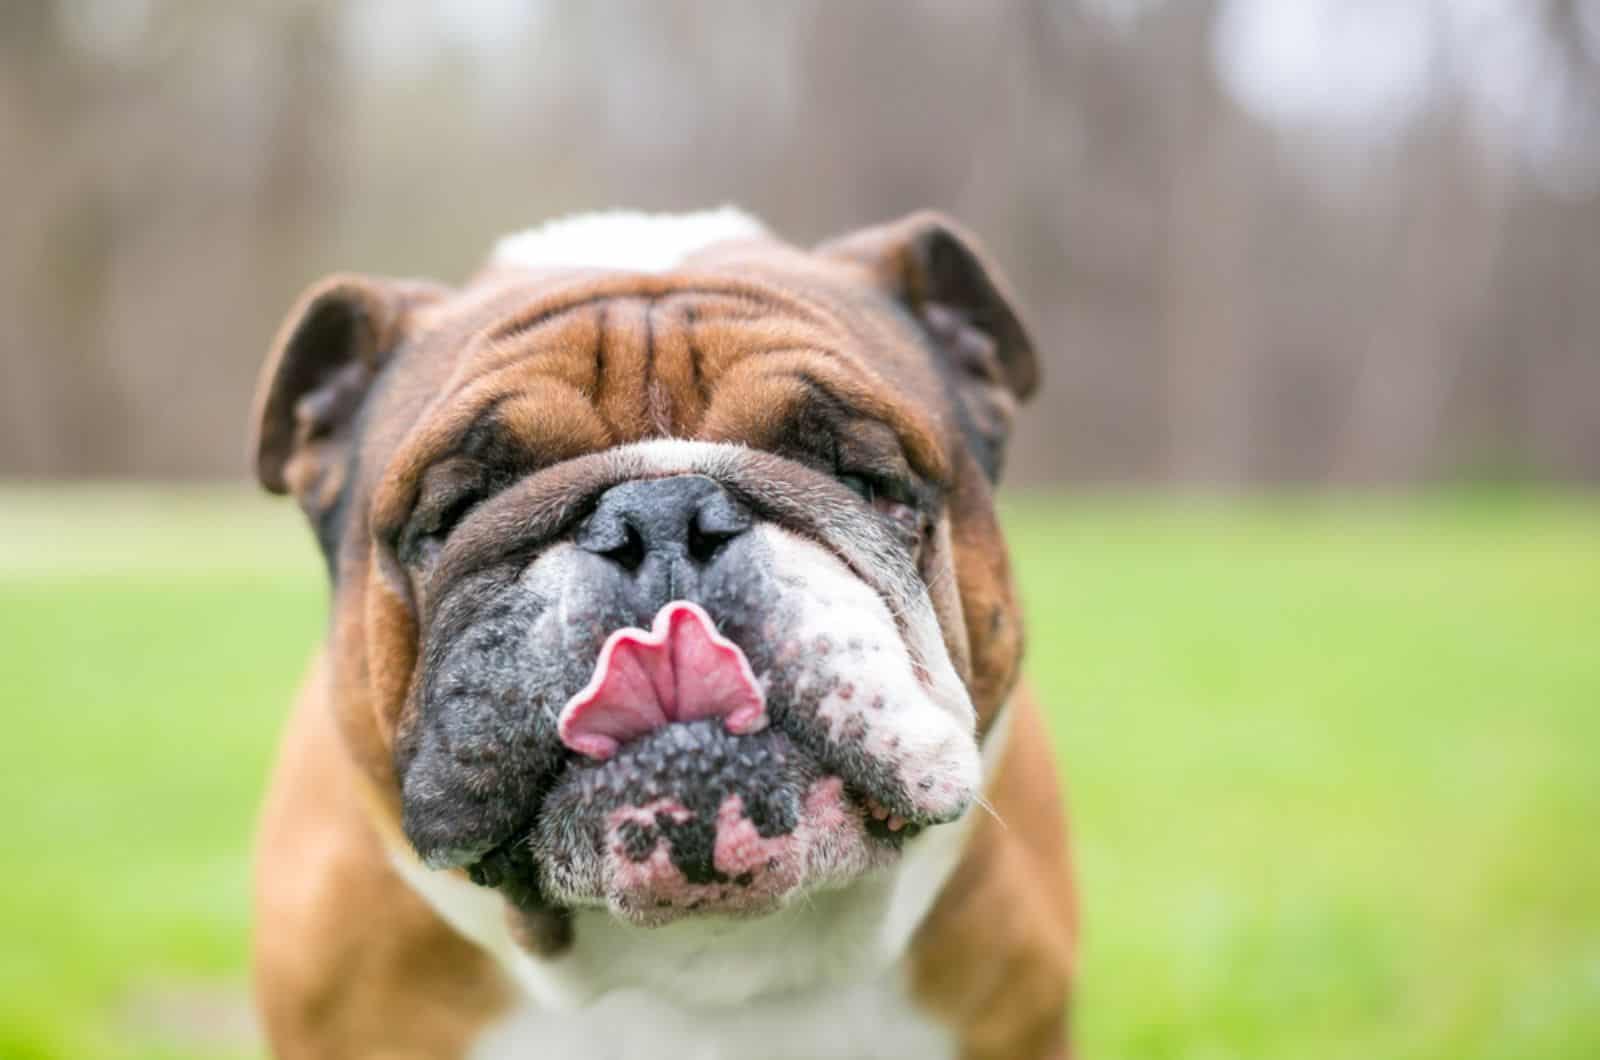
[[880, 829]]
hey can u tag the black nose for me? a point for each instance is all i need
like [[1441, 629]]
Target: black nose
[[665, 522]]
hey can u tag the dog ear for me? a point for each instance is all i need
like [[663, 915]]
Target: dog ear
[[329, 350], [938, 272]]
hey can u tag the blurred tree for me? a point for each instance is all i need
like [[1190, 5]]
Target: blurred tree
[[1241, 268]]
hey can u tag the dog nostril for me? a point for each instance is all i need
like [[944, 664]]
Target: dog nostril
[[685, 518], [704, 544], [630, 553]]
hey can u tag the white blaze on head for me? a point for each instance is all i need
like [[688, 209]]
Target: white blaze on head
[[625, 240]]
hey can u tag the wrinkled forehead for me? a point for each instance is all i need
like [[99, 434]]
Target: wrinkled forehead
[[559, 364]]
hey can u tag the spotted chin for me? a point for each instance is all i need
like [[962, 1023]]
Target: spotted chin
[[695, 819]]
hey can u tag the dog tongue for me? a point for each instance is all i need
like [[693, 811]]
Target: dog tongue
[[682, 669]]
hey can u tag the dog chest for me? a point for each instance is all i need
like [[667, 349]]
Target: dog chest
[[861, 1022]]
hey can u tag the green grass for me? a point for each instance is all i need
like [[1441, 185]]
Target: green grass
[[1334, 767]]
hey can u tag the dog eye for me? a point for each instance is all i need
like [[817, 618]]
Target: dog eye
[[432, 523], [877, 489], [860, 485], [893, 500], [446, 519], [906, 519]]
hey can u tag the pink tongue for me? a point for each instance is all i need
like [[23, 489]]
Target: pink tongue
[[681, 670]]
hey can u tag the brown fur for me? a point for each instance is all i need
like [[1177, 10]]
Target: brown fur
[[995, 956], [349, 961]]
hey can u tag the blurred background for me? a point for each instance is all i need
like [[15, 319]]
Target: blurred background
[[1262, 241], [1304, 514]]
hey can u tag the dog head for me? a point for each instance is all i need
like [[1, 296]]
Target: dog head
[[672, 592]]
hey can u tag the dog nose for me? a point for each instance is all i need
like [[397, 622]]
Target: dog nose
[[682, 517]]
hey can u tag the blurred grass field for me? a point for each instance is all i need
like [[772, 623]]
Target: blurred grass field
[[1334, 767]]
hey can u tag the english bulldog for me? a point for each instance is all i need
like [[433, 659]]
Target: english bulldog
[[668, 706]]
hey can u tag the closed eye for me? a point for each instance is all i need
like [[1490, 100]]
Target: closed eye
[[428, 530], [895, 501], [860, 485], [450, 491], [449, 517]]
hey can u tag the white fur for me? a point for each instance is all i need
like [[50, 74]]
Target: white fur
[[922, 723], [872, 1021], [625, 240]]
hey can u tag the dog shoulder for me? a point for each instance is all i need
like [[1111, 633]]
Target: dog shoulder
[[346, 956], [999, 947]]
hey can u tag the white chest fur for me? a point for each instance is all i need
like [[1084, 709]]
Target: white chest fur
[[823, 978], [865, 1021]]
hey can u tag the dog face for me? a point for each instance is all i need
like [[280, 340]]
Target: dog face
[[673, 593]]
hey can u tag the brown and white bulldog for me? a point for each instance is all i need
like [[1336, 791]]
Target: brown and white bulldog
[[668, 705]]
